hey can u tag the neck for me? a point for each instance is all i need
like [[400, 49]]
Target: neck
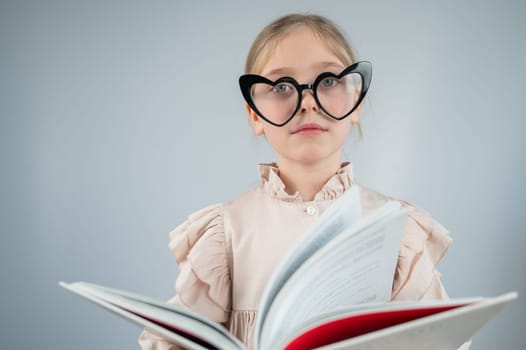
[[307, 179]]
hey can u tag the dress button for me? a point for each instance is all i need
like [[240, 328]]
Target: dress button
[[310, 210]]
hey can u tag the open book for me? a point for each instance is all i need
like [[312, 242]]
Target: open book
[[330, 292]]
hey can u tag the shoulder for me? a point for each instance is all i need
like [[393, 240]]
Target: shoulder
[[201, 227], [246, 201], [422, 231], [420, 222], [371, 199], [206, 227]]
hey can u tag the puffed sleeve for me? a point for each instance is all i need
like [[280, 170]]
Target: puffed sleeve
[[424, 244], [203, 285]]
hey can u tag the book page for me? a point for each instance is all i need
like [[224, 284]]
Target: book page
[[355, 267], [343, 213], [179, 325]]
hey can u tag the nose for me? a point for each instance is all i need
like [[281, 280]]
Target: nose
[[308, 102]]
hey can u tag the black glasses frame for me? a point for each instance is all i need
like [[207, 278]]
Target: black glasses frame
[[363, 68]]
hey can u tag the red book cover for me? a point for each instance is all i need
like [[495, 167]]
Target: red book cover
[[355, 325]]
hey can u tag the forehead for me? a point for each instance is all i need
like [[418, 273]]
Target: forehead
[[300, 52]]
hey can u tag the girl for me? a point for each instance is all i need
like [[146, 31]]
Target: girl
[[303, 92]]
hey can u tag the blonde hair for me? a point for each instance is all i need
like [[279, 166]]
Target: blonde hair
[[267, 40]]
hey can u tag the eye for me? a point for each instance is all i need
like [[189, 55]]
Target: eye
[[281, 88], [329, 82]]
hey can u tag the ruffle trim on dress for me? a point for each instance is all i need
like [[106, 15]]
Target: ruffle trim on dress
[[199, 248], [274, 186], [423, 246], [242, 324]]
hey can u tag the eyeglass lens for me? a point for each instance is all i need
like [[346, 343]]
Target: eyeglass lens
[[336, 96]]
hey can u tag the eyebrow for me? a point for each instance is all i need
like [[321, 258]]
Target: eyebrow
[[289, 70], [323, 65]]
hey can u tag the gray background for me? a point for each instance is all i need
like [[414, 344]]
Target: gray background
[[120, 118]]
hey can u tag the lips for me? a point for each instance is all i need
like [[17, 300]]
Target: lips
[[309, 128]]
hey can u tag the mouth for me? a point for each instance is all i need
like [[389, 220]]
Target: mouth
[[309, 129]]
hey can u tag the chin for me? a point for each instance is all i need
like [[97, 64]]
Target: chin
[[310, 158]]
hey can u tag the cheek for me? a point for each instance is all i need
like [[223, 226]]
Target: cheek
[[273, 134], [343, 130], [339, 107]]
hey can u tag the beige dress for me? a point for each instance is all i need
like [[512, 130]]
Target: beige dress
[[226, 253]]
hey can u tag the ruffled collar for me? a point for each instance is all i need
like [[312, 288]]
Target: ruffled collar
[[274, 186]]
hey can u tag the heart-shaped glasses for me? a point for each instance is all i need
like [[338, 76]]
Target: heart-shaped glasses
[[337, 95]]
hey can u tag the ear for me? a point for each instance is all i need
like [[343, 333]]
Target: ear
[[256, 122]]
